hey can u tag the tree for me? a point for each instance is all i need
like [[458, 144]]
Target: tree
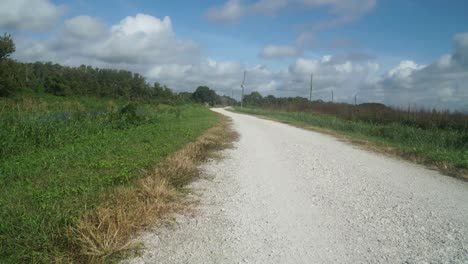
[[56, 86], [7, 46], [254, 99], [8, 68], [162, 92], [204, 94]]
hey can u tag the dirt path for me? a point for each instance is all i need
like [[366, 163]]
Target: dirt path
[[286, 195]]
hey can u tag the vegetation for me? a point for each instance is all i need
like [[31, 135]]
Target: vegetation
[[434, 138], [99, 237], [61, 158], [84, 151], [368, 112], [204, 94], [7, 46], [55, 79]]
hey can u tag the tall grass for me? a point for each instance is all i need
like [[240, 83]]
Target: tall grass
[[105, 232], [63, 157], [379, 113], [444, 148]]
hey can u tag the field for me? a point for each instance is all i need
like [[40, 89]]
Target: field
[[444, 148], [62, 157]]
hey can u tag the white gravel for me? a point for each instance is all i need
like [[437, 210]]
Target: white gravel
[[286, 195]]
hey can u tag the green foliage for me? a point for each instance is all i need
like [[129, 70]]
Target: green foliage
[[60, 156], [253, 98], [55, 86], [434, 145], [8, 77], [7, 46], [204, 94], [62, 80], [374, 113]]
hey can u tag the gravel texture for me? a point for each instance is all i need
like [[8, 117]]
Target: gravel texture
[[287, 195]]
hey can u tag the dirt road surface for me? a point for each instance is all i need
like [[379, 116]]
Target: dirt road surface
[[287, 195]]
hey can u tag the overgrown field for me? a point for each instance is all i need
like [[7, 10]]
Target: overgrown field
[[61, 157], [446, 149]]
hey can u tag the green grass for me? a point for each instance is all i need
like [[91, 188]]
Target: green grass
[[445, 148], [54, 168]]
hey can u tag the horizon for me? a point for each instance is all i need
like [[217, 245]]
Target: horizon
[[393, 53]]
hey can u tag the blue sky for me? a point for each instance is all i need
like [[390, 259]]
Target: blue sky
[[398, 29], [374, 48]]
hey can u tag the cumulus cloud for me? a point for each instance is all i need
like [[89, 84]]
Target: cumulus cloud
[[344, 77], [404, 70], [136, 41], [149, 45], [84, 27], [275, 51], [442, 84], [34, 15], [142, 39]]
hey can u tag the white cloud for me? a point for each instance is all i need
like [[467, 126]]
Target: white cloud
[[442, 84], [136, 41], [84, 27], [404, 70], [275, 51], [142, 39], [35, 15], [150, 46], [345, 78]]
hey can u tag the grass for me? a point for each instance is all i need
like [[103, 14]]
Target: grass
[[62, 160], [106, 231], [444, 149]]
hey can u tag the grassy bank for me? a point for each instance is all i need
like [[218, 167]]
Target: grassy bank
[[62, 158], [446, 149]]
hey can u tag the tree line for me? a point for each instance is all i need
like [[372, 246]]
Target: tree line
[[85, 80]]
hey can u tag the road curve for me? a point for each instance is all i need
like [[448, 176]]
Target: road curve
[[287, 195]]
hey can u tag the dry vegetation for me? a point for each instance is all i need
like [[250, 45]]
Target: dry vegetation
[[106, 231]]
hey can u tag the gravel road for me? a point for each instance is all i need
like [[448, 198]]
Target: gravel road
[[287, 195]]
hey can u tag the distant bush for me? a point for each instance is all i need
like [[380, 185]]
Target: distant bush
[[368, 112]]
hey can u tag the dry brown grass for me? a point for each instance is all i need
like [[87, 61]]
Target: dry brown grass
[[105, 232]]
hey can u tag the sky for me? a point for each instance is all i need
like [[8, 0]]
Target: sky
[[397, 52]]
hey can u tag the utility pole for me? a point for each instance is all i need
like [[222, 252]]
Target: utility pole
[[332, 96], [242, 94], [355, 100], [311, 85]]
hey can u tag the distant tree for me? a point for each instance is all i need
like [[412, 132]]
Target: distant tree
[[162, 92], [254, 98], [184, 96], [8, 68], [56, 85], [7, 46], [204, 94], [63, 80]]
